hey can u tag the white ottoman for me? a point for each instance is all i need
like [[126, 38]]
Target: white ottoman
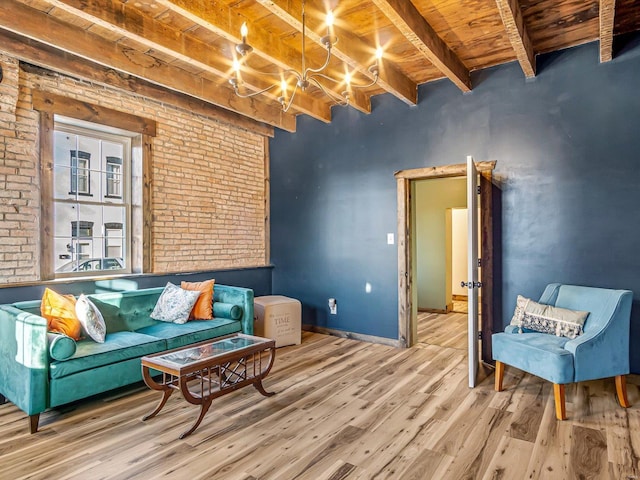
[[278, 318]]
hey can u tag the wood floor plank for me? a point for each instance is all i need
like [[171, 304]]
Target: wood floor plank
[[551, 451], [507, 461], [589, 453]]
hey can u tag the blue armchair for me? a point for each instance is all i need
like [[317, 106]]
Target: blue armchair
[[602, 351]]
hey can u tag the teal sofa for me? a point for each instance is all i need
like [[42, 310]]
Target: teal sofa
[[41, 370]]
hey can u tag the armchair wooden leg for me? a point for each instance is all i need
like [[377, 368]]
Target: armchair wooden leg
[[558, 394], [621, 391], [499, 375], [33, 422]]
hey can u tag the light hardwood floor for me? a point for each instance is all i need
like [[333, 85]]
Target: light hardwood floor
[[445, 330], [344, 409]]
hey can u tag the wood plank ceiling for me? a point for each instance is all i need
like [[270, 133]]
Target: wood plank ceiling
[[188, 46]]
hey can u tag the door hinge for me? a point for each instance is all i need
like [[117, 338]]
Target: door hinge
[[479, 262], [478, 189], [479, 335]]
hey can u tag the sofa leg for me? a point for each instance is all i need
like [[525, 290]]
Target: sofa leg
[[499, 375], [558, 394], [3, 399], [621, 391], [33, 422]]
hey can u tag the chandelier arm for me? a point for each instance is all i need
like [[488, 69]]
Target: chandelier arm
[[326, 77], [356, 85], [286, 108], [288, 71], [336, 98], [252, 94], [318, 70]]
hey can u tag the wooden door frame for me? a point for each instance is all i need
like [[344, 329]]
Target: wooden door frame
[[407, 326]]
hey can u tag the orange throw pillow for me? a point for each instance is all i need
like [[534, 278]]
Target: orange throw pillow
[[203, 309], [60, 312]]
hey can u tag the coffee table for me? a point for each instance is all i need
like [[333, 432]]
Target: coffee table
[[208, 370]]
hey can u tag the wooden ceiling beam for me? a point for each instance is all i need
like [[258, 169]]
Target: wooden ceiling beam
[[225, 22], [18, 18], [607, 16], [350, 48], [406, 17], [43, 59], [131, 23], [517, 32]]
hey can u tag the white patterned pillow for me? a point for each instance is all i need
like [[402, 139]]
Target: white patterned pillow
[[91, 319], [174, 304], [548, 319]]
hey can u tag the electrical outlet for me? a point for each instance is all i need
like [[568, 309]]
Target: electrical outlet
[[333, 306]]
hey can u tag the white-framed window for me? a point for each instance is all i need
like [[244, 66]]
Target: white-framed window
[[114, 177], [92, 219], [80, 173]]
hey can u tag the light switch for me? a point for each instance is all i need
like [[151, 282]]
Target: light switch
[[389, 238]]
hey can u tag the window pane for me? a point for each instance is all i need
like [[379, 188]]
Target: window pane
[[91, 213], [64, 143]]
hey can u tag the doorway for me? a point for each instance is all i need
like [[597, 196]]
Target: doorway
[[407, 291]]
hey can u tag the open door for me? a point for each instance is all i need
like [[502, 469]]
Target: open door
[[407, 311], [472, 283]]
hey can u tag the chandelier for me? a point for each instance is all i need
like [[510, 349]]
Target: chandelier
[[304, 78]]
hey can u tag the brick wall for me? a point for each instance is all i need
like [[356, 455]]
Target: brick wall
[[19, 192], [208, 180]]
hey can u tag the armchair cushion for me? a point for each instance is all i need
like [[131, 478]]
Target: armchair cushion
[[548, 318], [541, 354]]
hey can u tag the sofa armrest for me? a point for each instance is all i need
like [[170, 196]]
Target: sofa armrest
[[24, 359], [238, 296]]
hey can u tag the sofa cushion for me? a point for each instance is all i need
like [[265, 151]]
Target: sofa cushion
[[60, 312], [128, 310], [117, 347], [227, 310], [192, 332], [537, 353], [175, 304], [91, 319], [111, 316], [203, 309], [61, 347]]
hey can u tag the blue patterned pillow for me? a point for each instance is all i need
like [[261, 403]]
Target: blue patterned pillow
[[174, 304]]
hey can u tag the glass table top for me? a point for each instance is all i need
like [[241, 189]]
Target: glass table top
[[210, 350]]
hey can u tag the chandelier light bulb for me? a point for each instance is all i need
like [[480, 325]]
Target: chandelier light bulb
[[283, 87], [330, 18], [244, 31], [236, 65], [347, 78], [379, 53]]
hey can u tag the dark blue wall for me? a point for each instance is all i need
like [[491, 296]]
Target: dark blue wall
[[567, 146], [258, 279]]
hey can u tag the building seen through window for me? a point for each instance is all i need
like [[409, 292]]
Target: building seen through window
[[91, 201]]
